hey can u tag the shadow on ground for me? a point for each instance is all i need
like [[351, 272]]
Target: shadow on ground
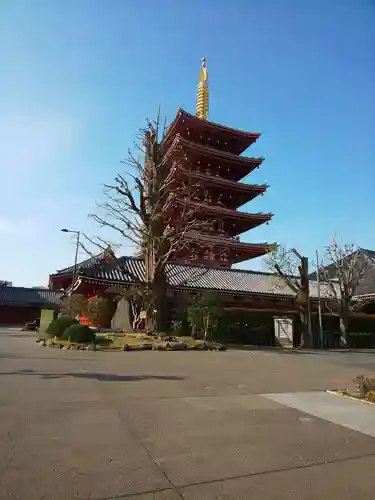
[[18, 335], [102, 377], [326, 352], [18, 356]]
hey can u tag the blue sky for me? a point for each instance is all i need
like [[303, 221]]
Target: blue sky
[[78, 78]]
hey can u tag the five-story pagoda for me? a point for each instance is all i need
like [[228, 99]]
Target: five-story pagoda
[[206, 157]]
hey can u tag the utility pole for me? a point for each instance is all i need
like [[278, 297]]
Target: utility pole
[[319, 303]]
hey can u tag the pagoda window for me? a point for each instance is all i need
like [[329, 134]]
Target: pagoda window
[[207, 196], [224, 256], [219, 202]]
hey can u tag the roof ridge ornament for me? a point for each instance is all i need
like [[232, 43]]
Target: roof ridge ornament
[[202, 92]]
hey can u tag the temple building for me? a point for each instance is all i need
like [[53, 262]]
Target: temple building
[[206, 158]]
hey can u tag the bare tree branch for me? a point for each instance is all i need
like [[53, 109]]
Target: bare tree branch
[[341, 273], [286, 264], [140, 208]]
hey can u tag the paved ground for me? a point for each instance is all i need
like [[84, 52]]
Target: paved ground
[[196, 425]]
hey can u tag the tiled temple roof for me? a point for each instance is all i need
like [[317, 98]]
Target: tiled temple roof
[[17, 295], [87, 263], [82, 265], [128, 270]]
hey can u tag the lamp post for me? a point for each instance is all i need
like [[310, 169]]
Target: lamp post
[[74, 276]]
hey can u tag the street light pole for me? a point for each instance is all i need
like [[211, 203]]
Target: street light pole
[[74, 274]]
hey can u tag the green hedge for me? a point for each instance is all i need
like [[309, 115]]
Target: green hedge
[[361, 331], [79, 333], [245, 327], [58, 326]]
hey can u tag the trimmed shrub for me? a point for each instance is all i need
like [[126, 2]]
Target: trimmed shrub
[[100, 311], [58, 326], [78, 333]]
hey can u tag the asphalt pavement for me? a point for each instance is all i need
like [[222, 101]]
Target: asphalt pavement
[[181, 425]]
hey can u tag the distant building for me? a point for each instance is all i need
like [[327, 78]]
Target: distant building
[[19, 305]]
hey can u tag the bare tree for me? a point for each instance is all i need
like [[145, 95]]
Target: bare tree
[[135, 295], [292, 268], [342, 271], [136, 208]]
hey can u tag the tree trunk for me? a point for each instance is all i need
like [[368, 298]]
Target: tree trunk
[[303, 303], [305, 333], [160, 311], [303, 299], [344, 322], [206, 324]]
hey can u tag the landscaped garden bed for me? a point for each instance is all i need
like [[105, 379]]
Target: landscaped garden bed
[[364, 390], [66, 333], [133, 342]]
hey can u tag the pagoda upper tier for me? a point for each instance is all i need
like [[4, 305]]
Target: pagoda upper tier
[[223, 250], [230, 222], [205, 167], [206, 159], [209, 133], [214, 189]]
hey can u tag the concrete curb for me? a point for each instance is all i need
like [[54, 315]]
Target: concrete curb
[[336, 393]]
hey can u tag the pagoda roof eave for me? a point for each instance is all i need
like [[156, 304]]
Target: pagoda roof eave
[[229, 213], [219, 181], [211, 152], [226, 242], [245, 250], [247, 138]]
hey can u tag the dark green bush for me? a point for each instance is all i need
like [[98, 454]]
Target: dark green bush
[[245, 327], [59, 325], [79, 333]]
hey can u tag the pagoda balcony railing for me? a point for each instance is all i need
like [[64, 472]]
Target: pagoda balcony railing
[[217, 233]]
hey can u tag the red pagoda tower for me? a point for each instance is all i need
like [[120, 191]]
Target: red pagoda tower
[[206, 157]]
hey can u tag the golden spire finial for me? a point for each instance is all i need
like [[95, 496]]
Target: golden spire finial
[[202, 92]]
